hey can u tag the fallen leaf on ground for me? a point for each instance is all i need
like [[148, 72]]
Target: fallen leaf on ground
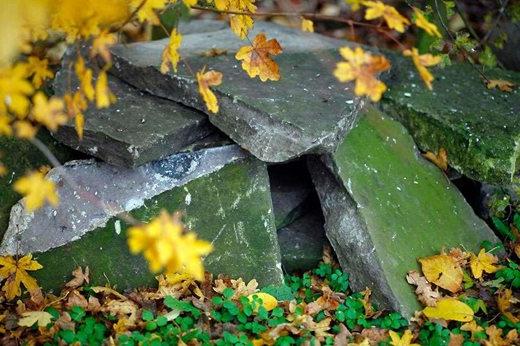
[[15, 273], [495, 337], [471, 327], [450, 309], [444, 271], [424, 291], [268, 301], [405, 340], [29, 318], [504, 301], [484, 262], [80, 277]]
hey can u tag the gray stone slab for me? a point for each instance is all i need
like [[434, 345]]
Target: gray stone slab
[[223, 194], [307, 111], [137, 129], [385, 206]]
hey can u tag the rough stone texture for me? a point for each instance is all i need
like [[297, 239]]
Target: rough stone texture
[[223, 192], [20, 156], [478, 127], [137, 129], [389, 208], [308, 110], [302, 241], [291, 187]]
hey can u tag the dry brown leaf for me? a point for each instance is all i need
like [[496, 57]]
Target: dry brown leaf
[[444, 271], [80, 277], [424, 290], [440, 159], [328, 301], [500, 84], [456, 339], [107, 291], [341, 339], [213, 52], [375, 335], [504, 302], [75, 298], [495, 337]]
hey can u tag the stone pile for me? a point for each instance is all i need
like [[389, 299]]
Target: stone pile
[[282, 170]]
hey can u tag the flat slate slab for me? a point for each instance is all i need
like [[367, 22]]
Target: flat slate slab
[[137, 129], [385, 206], [307, 111], [223, 193], [479, 128]]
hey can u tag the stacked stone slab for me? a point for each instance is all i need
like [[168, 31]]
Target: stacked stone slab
[[383, 204]]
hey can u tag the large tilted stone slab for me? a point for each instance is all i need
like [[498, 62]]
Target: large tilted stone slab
[[223, 192], [137, 129], [19, 157], [308, 110], [479, 128], [385, 206]]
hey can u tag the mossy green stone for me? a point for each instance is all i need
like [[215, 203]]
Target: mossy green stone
[[479, 127], [406, 206], [231, 208], [20, 156]]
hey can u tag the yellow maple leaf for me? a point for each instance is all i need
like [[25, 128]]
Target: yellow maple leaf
[[165, 245], [147, 10], [450, 309], [405, 340], [5, 125], [354, 4], [29, 318], [422, 22], [440, 159], [394, 20], [37, 190], [421, 61], [268, 301], [170, 54], [205, 81], [49, 112], [307, 25], [25, 129], [39, 70], [504, 304], [484, 262], [15, 90], [75, 105], [240, 24], [444, 271], [104, 97], [84, 75], [15, 273], [101, 45], [362, 67], [501, 84], [256, 59]]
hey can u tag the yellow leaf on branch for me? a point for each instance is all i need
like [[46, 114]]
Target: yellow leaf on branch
[[405, 340], [362, 67], [147, 10], [37, 190], [49, 112], [450, 309], [257, 61], [104, 97], [307, 25], [444, 271], [167, 246], [84, 75], [101, 45], [24, 129], [422, 22], [170, 55], [354, 4], [29, 318], [240, 23], [394, 20], [15, 90], [39, 70], [421, 62], [484, 262], [205, 81], [14, 272]]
